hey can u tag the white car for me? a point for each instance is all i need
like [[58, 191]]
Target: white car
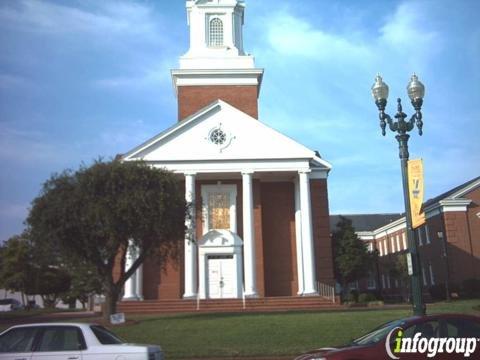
[[70, 341]]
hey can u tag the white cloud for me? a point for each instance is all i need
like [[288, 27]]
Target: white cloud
[[148, 78], [102, 19], [293, 36]]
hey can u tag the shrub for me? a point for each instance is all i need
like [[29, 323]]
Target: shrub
[[352, 296], [438, 292], [471, 288], [366, 297]]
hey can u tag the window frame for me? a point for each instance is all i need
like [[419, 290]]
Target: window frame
[[218, 33], [34, 341]]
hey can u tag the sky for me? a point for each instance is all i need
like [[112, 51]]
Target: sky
[[83, 79]]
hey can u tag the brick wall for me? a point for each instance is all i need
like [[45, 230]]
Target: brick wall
[[278, 219], [321, 231], [193, 98]]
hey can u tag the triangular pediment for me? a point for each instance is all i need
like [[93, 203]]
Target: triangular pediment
[[221, 132]]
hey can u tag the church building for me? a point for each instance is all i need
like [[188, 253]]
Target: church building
[[259, 224]]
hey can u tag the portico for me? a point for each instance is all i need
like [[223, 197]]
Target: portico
[[195, 265]]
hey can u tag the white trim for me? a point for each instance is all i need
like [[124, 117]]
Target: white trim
[[307, 234], [248, 236], [399, 248], [427, 234], [432, 277], [404, 240], [392, 244], [190, 254], [465, 190], [219, 242], [212, 77], [298, 239]]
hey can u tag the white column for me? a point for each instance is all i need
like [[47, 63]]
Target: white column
[[139, 282], [131, 284], [248, 236], [310, 286], [190, 246], [298, 238]]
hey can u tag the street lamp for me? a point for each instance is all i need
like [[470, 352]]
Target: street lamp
[[416, 91]]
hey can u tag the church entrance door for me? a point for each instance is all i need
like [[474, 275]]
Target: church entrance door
[[221, 277]]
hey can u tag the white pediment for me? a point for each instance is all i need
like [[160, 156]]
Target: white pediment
[[220, 132]]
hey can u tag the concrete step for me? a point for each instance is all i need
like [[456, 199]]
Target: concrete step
[[283, 303]]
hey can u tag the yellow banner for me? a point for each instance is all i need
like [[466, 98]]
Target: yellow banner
[[415, 187]]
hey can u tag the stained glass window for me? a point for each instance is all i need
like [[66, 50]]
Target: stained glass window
[[219, 210]]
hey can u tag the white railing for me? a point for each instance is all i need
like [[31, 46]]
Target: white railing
[[326, 291], [244, 301], [198, 298]]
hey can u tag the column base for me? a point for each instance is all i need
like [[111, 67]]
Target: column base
[[251, 295], [189, 296], [311, 293], [132, 298]]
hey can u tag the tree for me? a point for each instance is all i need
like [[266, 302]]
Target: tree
[[32, 270], [351, 257], [15, 267], [93, 213], [84, 284], [399, 271]]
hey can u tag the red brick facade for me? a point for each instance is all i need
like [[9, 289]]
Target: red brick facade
[[448, 244], [193, 98]]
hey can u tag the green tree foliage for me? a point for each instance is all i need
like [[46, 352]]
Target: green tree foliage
[[351, 257], [84, 283], [31, 270], [15, 266], [91, 214]]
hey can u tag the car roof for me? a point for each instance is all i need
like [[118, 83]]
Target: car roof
[[414, 319]]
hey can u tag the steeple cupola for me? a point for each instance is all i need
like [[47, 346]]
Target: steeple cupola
[[216, 65], [220, 44]]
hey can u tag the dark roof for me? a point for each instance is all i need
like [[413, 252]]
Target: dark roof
[[449, 193], [365, 222]]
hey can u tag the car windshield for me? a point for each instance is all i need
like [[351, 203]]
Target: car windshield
[[104, 336], [379, 333]]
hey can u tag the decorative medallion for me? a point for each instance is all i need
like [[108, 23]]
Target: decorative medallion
[[219, 137]]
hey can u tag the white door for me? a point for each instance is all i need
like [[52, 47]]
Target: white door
[[221, 277]]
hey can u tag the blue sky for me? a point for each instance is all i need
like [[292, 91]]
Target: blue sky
[[83, 79]]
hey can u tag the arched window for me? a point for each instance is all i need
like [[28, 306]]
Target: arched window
[[215, 35]]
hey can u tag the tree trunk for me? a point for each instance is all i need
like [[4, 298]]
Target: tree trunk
[[111, 299]]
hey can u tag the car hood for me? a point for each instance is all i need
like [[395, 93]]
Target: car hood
[[328, 351]]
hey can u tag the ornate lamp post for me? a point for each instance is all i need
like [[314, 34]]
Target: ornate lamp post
[[416, 91]]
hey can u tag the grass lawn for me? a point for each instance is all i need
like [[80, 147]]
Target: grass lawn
[[267, 334]]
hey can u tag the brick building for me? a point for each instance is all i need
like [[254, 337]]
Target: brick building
[[260, 220], [449, 242]]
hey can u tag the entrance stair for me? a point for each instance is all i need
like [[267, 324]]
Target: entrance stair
[[283, 303]]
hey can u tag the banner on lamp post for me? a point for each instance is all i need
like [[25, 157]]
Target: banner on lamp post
[[416, 191]]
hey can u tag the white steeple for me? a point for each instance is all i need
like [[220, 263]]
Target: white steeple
[[216, 35]]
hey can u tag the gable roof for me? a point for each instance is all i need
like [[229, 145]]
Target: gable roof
[[454, 193], [365, 222], [248, 139]]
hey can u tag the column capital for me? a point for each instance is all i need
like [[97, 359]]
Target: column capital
[[190, 173], [248, 172], [305, 171]]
